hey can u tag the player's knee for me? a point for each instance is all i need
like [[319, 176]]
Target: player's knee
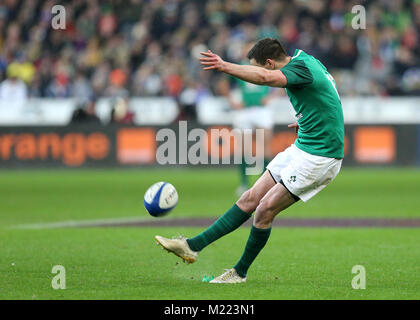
[[247, 202], [264, 214], [266, 205], [262, 221]]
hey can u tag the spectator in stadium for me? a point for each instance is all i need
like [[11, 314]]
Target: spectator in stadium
[[22, 68], [120, 113], [188, 101], [117, 81], [85, 113], [81, 88], [59, 87], [13, 90]]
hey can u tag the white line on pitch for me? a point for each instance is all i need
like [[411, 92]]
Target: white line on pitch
[[79, 223]]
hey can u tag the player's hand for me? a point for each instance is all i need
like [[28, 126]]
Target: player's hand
[[211, 61], [294, 125]]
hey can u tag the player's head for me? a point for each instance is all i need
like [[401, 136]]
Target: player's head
[[266, 52]]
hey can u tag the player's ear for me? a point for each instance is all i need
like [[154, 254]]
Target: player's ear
[[269, 63]]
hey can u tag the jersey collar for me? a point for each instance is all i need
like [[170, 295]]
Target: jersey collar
[[297, 53]]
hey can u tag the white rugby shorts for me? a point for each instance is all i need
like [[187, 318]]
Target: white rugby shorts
[[303, 174]]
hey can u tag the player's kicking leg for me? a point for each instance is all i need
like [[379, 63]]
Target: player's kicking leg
[[276, 200], [299, 175], [188, 249]]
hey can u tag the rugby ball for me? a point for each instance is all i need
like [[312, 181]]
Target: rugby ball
[[160, 198]]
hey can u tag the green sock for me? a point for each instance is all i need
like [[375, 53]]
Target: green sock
[[244, 177], [256, 241], [231, 220]]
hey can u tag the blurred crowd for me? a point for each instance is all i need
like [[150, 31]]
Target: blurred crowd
[[122, 48]]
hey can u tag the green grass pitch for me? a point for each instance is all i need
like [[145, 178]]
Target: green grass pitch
[[125, 263]]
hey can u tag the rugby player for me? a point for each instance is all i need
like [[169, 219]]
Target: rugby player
[[297, 173]]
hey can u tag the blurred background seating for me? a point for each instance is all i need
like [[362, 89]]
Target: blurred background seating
[[122, 48]]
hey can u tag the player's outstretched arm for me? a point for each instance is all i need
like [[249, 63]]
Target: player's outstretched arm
[[253, 74]]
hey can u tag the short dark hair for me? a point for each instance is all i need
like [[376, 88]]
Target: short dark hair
[[267, 48]]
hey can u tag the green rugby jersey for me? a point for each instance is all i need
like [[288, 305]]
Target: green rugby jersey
[[252, 94], [314, 96]]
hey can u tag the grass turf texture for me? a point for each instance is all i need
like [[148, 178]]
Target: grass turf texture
[[50, 196], [125, 263]]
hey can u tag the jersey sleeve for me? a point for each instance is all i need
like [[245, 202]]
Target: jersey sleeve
[[297, 74]]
